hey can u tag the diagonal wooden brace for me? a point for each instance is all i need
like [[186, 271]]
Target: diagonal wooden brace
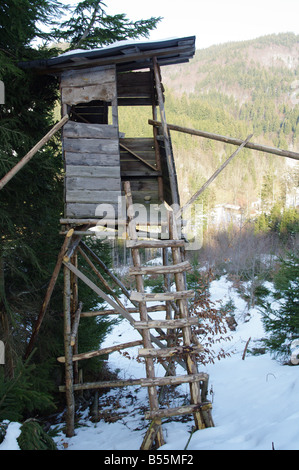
[[49, 292]]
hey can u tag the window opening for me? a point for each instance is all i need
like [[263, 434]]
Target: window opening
[[94, 112]]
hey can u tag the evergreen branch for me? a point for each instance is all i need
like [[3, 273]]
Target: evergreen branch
[[88, 29], [90, 26]]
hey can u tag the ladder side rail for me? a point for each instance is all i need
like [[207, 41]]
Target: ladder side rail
[[187, 335], [155, 431]]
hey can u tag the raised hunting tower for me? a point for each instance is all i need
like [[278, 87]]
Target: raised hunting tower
[[101, 165]]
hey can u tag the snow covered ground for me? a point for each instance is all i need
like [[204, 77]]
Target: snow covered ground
[[255, 401]]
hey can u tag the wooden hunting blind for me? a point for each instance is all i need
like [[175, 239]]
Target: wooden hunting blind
[[101, 165], [98, 159]]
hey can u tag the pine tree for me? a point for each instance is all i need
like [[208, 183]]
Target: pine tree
[[90, 26], [282, 320], [32, 203], [33, 437]]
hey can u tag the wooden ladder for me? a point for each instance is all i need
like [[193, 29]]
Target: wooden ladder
[[167, 350], [183, 321]]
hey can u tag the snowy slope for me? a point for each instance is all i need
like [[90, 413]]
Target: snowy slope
[[255, 401]]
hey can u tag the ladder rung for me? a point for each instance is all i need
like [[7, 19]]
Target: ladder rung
[[106, 384], [171, 269], [155, 243], [144, 382], [101, 352], [162, 296], [169, 352], [174, 380], [169, 324], [179, 411], [155, 308]]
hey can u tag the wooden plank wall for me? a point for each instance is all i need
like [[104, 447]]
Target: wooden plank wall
[[143, 179], [135, 89], [85, 85], [91, 151], [95, 166], [92, 168]]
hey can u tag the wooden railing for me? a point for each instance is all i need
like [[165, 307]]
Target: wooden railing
[[229, 140]]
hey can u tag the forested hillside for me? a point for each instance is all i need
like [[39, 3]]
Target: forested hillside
[[235, 89]]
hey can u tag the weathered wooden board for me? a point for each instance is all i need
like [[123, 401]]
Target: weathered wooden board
[[86, 85], [88, 196], [161, 269], [138, 143], [92, 184], [91, 159], [169, 324], [137, 169], [141, 197], [135, 89], [84, 211], [130, 165], [177, 411], [168, 197], [143, 180], [85, 94], [133, 79], [168, 352], [155, 244], [93, 171], [144, 297], [91, 76], [144, 185], [95, 131], [127, 174], [134, 101], [146, 163], [147, 155], [156, 381], [91, 145]]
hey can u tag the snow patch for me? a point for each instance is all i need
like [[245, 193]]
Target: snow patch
[[12, 433], [255, 401]]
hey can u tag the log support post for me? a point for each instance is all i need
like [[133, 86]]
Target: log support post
[[168, 151], [69, 375], [155, 430], [191, 364]]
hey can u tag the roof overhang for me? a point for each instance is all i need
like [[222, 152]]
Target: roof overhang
[[126, 55]]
